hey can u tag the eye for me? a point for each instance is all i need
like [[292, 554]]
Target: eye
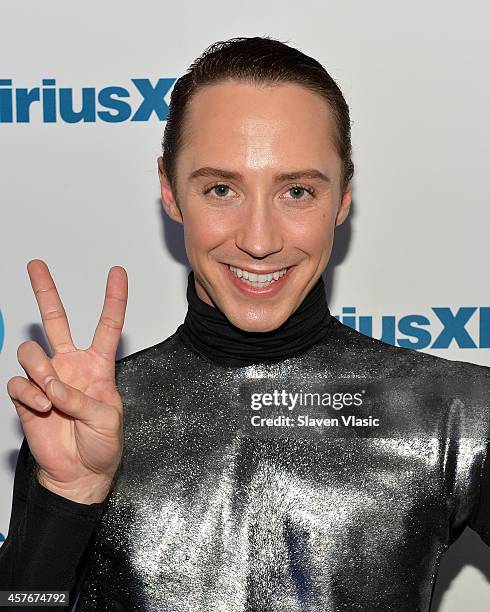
[[298, 191], [221, 190]]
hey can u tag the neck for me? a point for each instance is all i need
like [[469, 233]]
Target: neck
[[207, 331]]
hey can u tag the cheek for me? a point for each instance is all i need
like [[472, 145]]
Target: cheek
[[312, 234], [204, 229]]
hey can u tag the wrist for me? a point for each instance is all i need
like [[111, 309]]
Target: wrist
[[92, 490]]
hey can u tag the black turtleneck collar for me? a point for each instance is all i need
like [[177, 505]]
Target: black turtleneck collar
[[207, 330]]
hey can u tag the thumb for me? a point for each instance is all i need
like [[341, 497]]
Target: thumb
[[73, 402]]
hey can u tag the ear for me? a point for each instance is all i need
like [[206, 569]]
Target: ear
[[344, 206], [168, 200]]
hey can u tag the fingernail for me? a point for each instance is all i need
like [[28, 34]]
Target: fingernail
[[58, 389], [42, 402]]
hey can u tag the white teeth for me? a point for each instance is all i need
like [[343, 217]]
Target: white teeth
[[257, 280]]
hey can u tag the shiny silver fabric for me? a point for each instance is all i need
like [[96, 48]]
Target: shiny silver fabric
[[203, 518]]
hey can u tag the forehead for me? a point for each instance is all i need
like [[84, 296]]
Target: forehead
[[258, 124]]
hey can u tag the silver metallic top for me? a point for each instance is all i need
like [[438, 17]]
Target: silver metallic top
[[207, 516]]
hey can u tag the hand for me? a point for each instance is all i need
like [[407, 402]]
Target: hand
[[75, 436]]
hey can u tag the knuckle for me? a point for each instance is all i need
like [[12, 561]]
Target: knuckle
[[79, 398], [115, 420], [110, 322], [55, 313]]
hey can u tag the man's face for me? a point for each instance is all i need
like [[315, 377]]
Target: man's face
[[241, 206]]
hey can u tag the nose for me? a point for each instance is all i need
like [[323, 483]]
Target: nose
[[259, 233]]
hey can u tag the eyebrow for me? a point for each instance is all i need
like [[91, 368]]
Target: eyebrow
[[208, 171]]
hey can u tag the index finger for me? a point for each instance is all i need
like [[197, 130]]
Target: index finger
[[53, 314], [109, 328]]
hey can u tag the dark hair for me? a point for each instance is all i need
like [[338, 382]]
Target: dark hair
[[256, 60]]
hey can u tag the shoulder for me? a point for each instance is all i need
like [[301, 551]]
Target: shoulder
[[396, 361], [156, 357]]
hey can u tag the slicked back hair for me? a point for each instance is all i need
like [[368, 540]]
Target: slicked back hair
[[256, 60]]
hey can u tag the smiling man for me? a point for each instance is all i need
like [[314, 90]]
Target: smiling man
[[259, 190], [198, 503]]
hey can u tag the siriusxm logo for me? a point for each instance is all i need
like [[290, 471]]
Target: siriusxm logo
[[414, 330], [109, 104]]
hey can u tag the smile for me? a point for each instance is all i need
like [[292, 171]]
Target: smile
[[257, 280]]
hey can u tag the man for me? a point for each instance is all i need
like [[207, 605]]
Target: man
[[190, 505]]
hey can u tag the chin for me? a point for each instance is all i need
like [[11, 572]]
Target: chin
[[257, 324]]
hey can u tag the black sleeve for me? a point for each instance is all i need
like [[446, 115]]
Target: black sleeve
[[47, 534], [480, 517]]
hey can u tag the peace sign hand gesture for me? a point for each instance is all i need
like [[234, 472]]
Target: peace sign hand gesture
[[68, 404]]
